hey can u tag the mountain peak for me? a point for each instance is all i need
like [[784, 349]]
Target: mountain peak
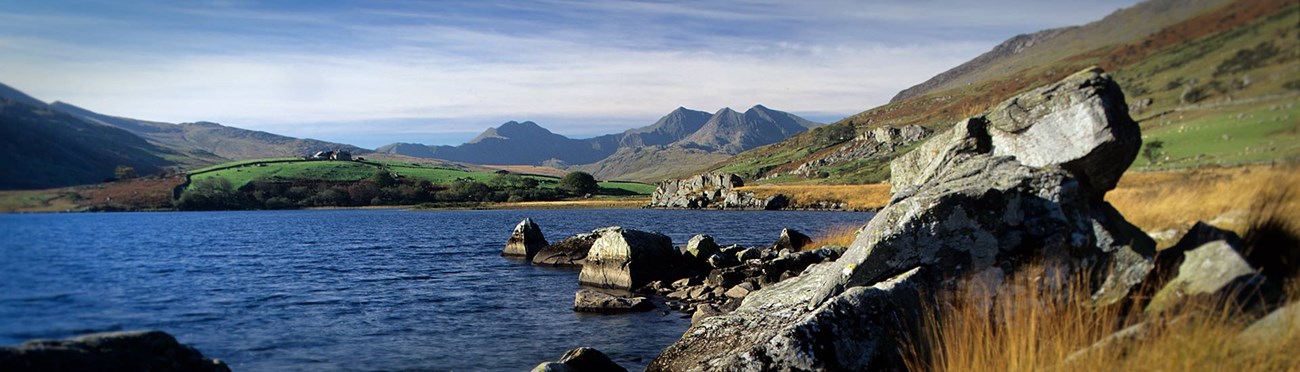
[[514, 129]]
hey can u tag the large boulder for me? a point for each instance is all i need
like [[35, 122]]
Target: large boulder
[[570, 252], [1216, 268], [960, 205], [697, 191], [791, 241], [525, 240], [629, 259], [112, 351]]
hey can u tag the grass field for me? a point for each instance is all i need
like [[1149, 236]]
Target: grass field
[[858, 197], [1156, 201], [243, 172]]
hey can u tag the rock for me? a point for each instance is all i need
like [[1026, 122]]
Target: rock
[[1271, 328], [740, 290], [856, 330], [525, 240], [749, 254], [1215, 268], [113, 351], [570, 252], [720, 260], [705, 311], [697, 191], [701, 247], [592, 301], [776, 202], [791, 240], [628, 259], [583, 359], [960, 205], [724, 278]]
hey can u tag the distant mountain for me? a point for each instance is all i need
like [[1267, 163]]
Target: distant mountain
[[200, 143], [44, 148], [682, 138]]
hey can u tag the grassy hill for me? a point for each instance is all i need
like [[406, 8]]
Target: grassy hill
[[1219, 87], [241, 173]]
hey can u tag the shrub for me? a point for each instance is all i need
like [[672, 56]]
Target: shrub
[[579, 183]]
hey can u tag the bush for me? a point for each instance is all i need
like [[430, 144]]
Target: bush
[[579, 183]]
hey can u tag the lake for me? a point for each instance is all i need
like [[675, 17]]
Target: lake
[[342, 289]]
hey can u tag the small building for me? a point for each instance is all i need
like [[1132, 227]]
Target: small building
[[341, 155], [322, 155]]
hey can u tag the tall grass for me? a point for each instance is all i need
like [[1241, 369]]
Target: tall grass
[[1041, 319], [1159, 201], [860, 197], [841, 235]]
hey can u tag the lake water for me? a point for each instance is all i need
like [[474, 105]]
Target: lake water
[[341, 289]]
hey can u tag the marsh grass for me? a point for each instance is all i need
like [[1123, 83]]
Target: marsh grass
[[841, 235], [1176, 200], [857, 197]]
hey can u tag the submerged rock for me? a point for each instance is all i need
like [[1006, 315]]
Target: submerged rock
[[593, 301], [962, 202], [629, 259], [525, 240], [112, 351]]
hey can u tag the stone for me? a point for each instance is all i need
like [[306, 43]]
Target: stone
[[701, 247], [582, 359], [525, 240], [749, 254], [720, 260], [705, 311], [111, 351], [791, 240], [740, 290], [697, 191], [1214, 269], [592, 301], [1272, 327], [857, 330], [629, 259], [570, 252], [959, 205]]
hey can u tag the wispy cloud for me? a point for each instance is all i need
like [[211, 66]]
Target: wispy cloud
[[374, 70]]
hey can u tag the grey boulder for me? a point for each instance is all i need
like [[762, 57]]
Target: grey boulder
[[629, 259], [592, 301], [112, 351], [525, 240]]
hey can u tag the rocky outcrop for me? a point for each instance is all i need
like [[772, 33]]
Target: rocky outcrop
[[525, 240], [629, 259], [583, 359], [694, 192], [791, 241], [963, 202], [879, 143], [593, 301], [114, 351], [570, 252]]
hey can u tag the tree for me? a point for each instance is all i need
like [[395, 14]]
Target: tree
[[512, 181], [1153, 150], [578, 183], [382, 178]]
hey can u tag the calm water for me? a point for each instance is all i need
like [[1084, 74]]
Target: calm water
[[340, 290]]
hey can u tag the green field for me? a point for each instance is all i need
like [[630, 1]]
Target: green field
[[288, 169]]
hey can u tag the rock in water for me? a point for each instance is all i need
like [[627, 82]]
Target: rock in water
[[570, 252], [791, 241], [113, 351], [525, 240], [960, 204], [628, 259], [583, 359], [592, 301]]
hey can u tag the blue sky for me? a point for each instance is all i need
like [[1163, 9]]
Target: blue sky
[[439, 72]]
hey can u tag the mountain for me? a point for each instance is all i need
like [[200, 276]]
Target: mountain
[[224, 141], [44, 148], [684, 139], [1184, 66]]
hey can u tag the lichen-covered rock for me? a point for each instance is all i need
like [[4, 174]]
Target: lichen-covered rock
[[525, 240], [570, 252], [960, 205], [1213, 269], [701, 247], [112, 351], [629, 259], [593, 301], [697, 191]]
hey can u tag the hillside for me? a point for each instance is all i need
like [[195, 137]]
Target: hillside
[[44, 148], [684, 139], [1215, 85]]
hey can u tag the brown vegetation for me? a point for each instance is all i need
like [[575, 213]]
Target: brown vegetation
[[1175, 200], [857, 197], [839, 235]]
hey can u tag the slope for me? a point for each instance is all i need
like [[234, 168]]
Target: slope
[[1225, 72]]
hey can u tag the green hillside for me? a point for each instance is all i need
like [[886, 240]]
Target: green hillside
[[1219, 87], [241, 173]]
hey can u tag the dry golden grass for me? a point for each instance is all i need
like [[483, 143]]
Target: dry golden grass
[[857, 197], [576, 204], [1165, 200], [841, 235], [1030, 324]]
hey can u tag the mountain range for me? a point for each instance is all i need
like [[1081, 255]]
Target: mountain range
[[680, 139]]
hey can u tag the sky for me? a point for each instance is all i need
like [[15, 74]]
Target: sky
[[370, 73]]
